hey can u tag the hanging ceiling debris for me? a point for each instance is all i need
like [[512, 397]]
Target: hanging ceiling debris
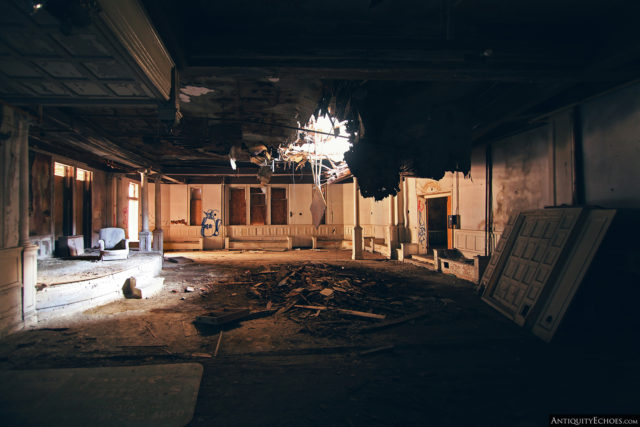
[[321, 144], [417, 81], [407, 128]]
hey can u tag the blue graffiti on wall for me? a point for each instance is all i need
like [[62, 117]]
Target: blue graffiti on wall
[[211, 223]]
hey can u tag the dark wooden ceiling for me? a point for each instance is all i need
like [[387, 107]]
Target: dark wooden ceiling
[[262, 67]]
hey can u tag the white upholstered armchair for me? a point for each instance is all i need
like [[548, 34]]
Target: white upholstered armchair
[[113, 244]]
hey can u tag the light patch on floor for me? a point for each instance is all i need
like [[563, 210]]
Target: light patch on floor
[[157, 395]]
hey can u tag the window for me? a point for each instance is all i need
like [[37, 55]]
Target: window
[[82, 175], [60, 169], [132, 219], [278, 206], [133, 190]]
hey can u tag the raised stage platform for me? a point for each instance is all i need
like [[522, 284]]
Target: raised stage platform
[[68, 286]]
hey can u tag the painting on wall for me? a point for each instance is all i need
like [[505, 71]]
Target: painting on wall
[[40, 194]]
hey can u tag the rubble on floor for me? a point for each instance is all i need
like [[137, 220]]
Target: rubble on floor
[[325, 300]]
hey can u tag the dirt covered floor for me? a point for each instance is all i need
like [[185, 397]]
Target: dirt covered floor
[[328, 342]]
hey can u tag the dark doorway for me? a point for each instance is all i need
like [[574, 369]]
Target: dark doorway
[[437, 232]]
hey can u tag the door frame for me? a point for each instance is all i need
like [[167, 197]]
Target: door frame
[[424, 198]]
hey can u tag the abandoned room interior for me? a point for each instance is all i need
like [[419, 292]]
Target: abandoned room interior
[[356, 212]]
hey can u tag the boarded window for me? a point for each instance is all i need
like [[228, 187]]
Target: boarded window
[[237, 207], [278, 206], [258, 206]]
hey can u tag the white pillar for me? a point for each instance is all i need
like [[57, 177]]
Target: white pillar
[[29, 251], [158, 234], [357, 229], [401, 212], [392, 235], [145, 235]]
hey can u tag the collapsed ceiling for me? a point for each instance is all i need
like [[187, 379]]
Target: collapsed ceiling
[[420, 81]]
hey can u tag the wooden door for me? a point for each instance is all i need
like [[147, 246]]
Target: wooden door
[[258, 206], [278, 206], [237, 207]]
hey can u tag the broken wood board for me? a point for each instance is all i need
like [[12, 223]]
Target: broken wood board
[[219, 319], [542, 263], [344, 311], [383, 349], [395, 322], [573, 271], [531, 259], [215, 353], [179, 260], [189, 329]]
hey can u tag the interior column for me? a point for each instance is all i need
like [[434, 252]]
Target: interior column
[[392, 234], [400, 212], [158, 235], [29, 250], [357, 229], [145, 234]]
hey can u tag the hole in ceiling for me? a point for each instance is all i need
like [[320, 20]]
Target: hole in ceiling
[[321, 143]]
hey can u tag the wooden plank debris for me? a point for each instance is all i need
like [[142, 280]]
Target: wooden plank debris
[[395, 322], [188, 329], [215, 353], [361, 314], [377, 350], [223, 318], [344, 311], [201, 355]]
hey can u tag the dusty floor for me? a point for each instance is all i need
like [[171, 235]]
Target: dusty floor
[[460, 364]]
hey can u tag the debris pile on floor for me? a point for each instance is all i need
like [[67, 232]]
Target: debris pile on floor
[[328, 299]]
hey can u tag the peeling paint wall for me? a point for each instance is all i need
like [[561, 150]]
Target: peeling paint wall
[[9, 181], [611, 149], [372, 213], [520, 174], [40, 192], [179, 204], [10, 253], [469, 201]]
